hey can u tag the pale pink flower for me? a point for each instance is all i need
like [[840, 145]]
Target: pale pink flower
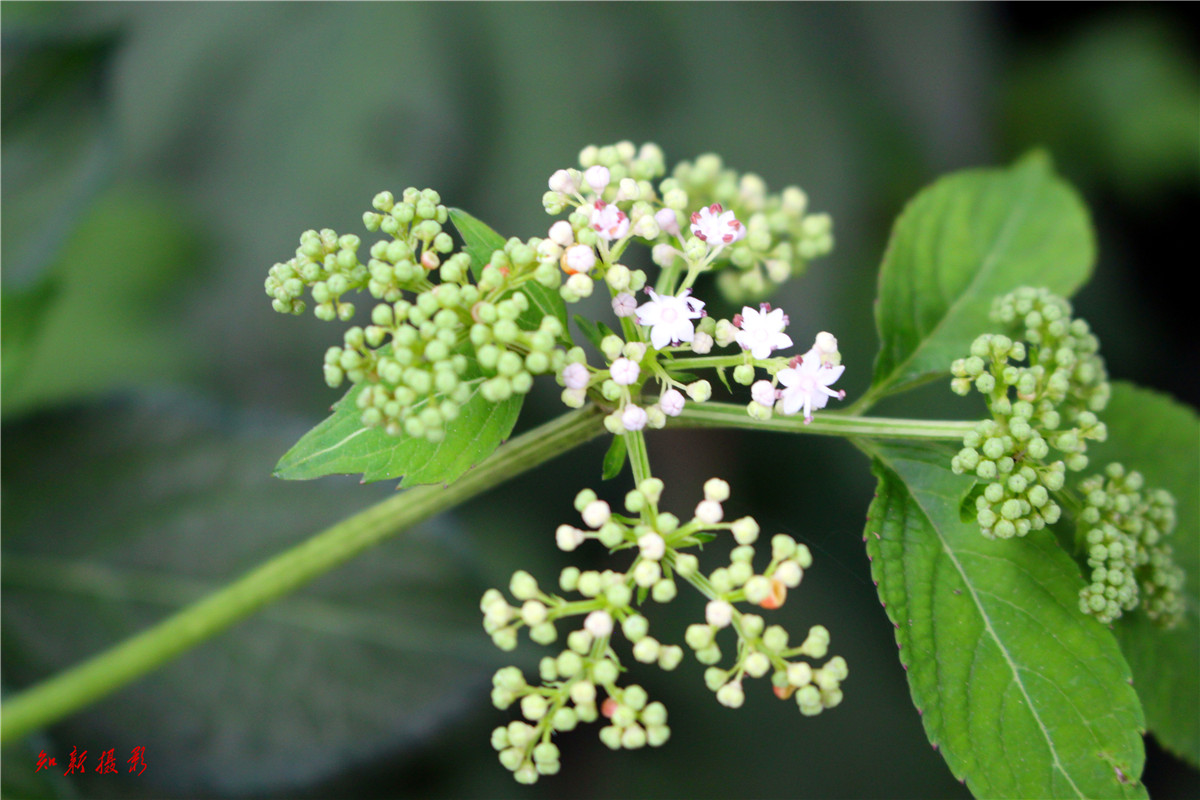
[[666, 219], [634, 418], [597, 177], [609, 221], [763, 393], [670, 317], [807, 385], [717, 227], [761, 330]]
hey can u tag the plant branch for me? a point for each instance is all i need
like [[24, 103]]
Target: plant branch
[[133, 658], [731, 415]]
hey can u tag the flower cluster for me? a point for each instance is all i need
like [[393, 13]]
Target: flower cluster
[[580, 683], [430, 345], [1124, 528], [1043, 407], [778, 237]]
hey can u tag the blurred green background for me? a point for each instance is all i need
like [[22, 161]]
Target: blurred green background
[[158, 158]]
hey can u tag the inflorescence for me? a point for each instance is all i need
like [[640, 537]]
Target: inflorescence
[[1044, 412], [580, 684]]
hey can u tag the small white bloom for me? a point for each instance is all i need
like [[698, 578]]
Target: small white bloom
[[807, 385], [575, 376], [709, 512], [717, 227], [671, 402], [762, 330], [718, 613], [716, 489], [624, 372], [608, 221], [790, 573], [562, 181], [652, 546], [562, 234], [634, 418], [666, 219], [578, 259], [702, 343], [596, 513], [763, 393], [597, 177], [624, 305], [670, 317], [568, 537], [598, 623]]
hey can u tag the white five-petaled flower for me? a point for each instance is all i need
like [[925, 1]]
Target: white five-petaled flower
[[717, 227], [807, 385], [670, 317], [608, 221], [761, 330], [624, 372]]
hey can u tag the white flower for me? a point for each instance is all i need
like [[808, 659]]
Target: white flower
[[670, 317], [762, 330], [763, 393], [671, 402], [624, 305], [597, 177], [717, 227], [666, 219], [807, 385], [634, 417], [826, 346], [596, 513], [609, 221], [702, 343]]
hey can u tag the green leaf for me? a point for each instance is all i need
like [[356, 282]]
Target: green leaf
[[590, 330], [480, 242], [121, 515], [1160, 438], [966, 239], [1023, 694], [614, 459], [341, 445]]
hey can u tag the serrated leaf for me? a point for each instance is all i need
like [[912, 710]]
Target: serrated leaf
[[1023, 694], [1160, 438], [480, 242], [614, 458], [966, 239], [341, 445], [119, 516]]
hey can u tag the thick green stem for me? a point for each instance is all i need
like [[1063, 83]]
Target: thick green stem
[[639, 458], [729, 415], [88, 682]]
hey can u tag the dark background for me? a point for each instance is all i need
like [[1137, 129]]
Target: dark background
[[158, 158]]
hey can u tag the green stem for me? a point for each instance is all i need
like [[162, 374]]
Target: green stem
[[729, 415], [639, 458], [127, 661]]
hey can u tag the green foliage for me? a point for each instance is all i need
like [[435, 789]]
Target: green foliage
[[614, 458], [1160, 438], [340, 444], [1023, 694], [961, 242]]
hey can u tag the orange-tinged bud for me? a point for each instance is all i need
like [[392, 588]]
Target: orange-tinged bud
[[776, 597]]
